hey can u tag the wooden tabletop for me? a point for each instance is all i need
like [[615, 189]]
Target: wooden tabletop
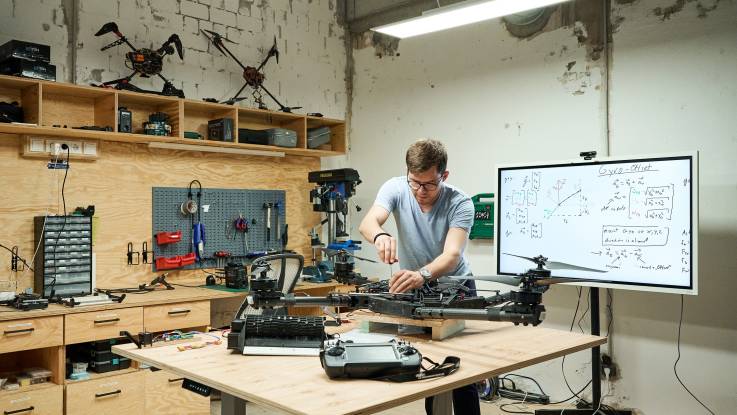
[[160, 296], [298, 385], [177, 295]]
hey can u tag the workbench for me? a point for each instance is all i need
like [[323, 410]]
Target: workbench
[[298, 385], [39, 338]]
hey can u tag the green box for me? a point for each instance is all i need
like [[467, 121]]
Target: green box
[[483, 217]]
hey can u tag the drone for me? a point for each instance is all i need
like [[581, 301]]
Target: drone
[[144, 62], [447, 298], [253, 76]]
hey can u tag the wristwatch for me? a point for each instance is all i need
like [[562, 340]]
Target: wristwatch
[[426, 275]]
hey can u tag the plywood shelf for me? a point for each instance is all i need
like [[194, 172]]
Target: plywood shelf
[[50, 104]]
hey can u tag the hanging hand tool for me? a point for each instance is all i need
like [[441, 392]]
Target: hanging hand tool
[[145, 254], [267, 207], [133, 254], [278, 228], [198, 228]]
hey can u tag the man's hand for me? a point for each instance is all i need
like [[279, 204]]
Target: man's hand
[[405, 280], [386, 247]]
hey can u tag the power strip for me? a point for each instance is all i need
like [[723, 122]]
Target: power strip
[[520, 395]]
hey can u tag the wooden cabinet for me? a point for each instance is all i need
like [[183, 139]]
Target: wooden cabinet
[[122, 394], [176, 316], [101, 325], [47, 400], [165, 396], [33, 333]]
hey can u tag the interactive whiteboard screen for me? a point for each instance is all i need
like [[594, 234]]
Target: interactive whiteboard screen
[[636, 219]]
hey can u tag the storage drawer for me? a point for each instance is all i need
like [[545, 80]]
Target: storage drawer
[[176, 316], [45, 401], [122, 394], [164, 396], [101, 325], [32, 333]]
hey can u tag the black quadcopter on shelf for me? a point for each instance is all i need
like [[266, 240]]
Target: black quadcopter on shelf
[[144, 62], [253, 76], [447, 298]]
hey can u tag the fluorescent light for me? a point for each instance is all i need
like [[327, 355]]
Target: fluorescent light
[[460, 14], [214, 149]]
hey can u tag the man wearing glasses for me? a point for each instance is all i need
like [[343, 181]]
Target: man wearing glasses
[[433, 221]]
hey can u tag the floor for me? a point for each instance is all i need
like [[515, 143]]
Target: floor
[[413, 408]]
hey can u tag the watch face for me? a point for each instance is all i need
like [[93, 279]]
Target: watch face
[[425, 273]]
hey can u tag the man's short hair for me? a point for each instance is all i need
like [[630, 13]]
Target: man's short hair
[[425, 154]]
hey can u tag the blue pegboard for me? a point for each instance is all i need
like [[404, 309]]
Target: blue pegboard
[[223, 206]]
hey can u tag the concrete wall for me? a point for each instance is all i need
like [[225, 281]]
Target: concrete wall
[[493, 98], [310, 73]]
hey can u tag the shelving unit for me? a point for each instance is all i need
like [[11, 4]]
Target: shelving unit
[[49, 106]]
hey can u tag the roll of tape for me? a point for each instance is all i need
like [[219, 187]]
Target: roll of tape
[[188, 208]]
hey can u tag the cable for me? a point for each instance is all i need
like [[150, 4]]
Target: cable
[[675, 365], [17, 256], [586, 311], [63, 225], [526, 377], [513, 412]]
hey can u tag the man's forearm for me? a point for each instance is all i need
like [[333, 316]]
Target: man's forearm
[[443, 264], [369, 229]]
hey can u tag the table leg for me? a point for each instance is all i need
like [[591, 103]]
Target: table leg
[[442, 404], [231, 405]]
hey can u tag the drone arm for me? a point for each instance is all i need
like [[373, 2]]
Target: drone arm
[[225, 48], [281, 107], [518, 314]]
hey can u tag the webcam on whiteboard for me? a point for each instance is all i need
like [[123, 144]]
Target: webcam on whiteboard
[[587, 155]]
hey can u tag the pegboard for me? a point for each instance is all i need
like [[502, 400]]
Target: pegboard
[[219, 208]]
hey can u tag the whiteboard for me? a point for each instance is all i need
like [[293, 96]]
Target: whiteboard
[[635, 218]]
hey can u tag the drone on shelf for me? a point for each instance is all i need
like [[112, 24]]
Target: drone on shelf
[[253, 76], [447, 298], [143, 62]]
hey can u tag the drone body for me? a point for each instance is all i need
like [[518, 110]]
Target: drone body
[[144, 62], [253, 76]]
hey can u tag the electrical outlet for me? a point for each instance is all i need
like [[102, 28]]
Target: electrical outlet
[[54, 147], [608, 363]]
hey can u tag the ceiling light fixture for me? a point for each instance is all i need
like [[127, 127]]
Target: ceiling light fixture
[[213, 149], [467, 12]]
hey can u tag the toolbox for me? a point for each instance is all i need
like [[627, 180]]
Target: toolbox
[[483, 216], [280, 137], [25, 50], [220, 129], [317, 137], [29, 69]]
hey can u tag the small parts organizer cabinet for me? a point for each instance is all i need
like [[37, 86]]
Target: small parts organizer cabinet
[[37, 339], [64, 260]]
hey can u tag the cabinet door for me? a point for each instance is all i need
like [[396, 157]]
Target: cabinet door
[[44, 401], [164, 396], [113, 395]]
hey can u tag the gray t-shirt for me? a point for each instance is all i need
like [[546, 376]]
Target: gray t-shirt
[[422, 235]]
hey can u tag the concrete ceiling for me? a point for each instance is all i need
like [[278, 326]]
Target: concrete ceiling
[[362, 15]]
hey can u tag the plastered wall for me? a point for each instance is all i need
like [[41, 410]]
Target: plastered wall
[[310, 72]]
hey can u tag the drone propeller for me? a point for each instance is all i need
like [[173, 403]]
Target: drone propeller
[[553, 265], [107, 28], [274, 51], [177, 43], [517, 280]]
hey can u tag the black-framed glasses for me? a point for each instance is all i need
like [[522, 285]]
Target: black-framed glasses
[[428, 186]]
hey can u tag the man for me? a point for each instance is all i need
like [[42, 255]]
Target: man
[[433, 221]]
